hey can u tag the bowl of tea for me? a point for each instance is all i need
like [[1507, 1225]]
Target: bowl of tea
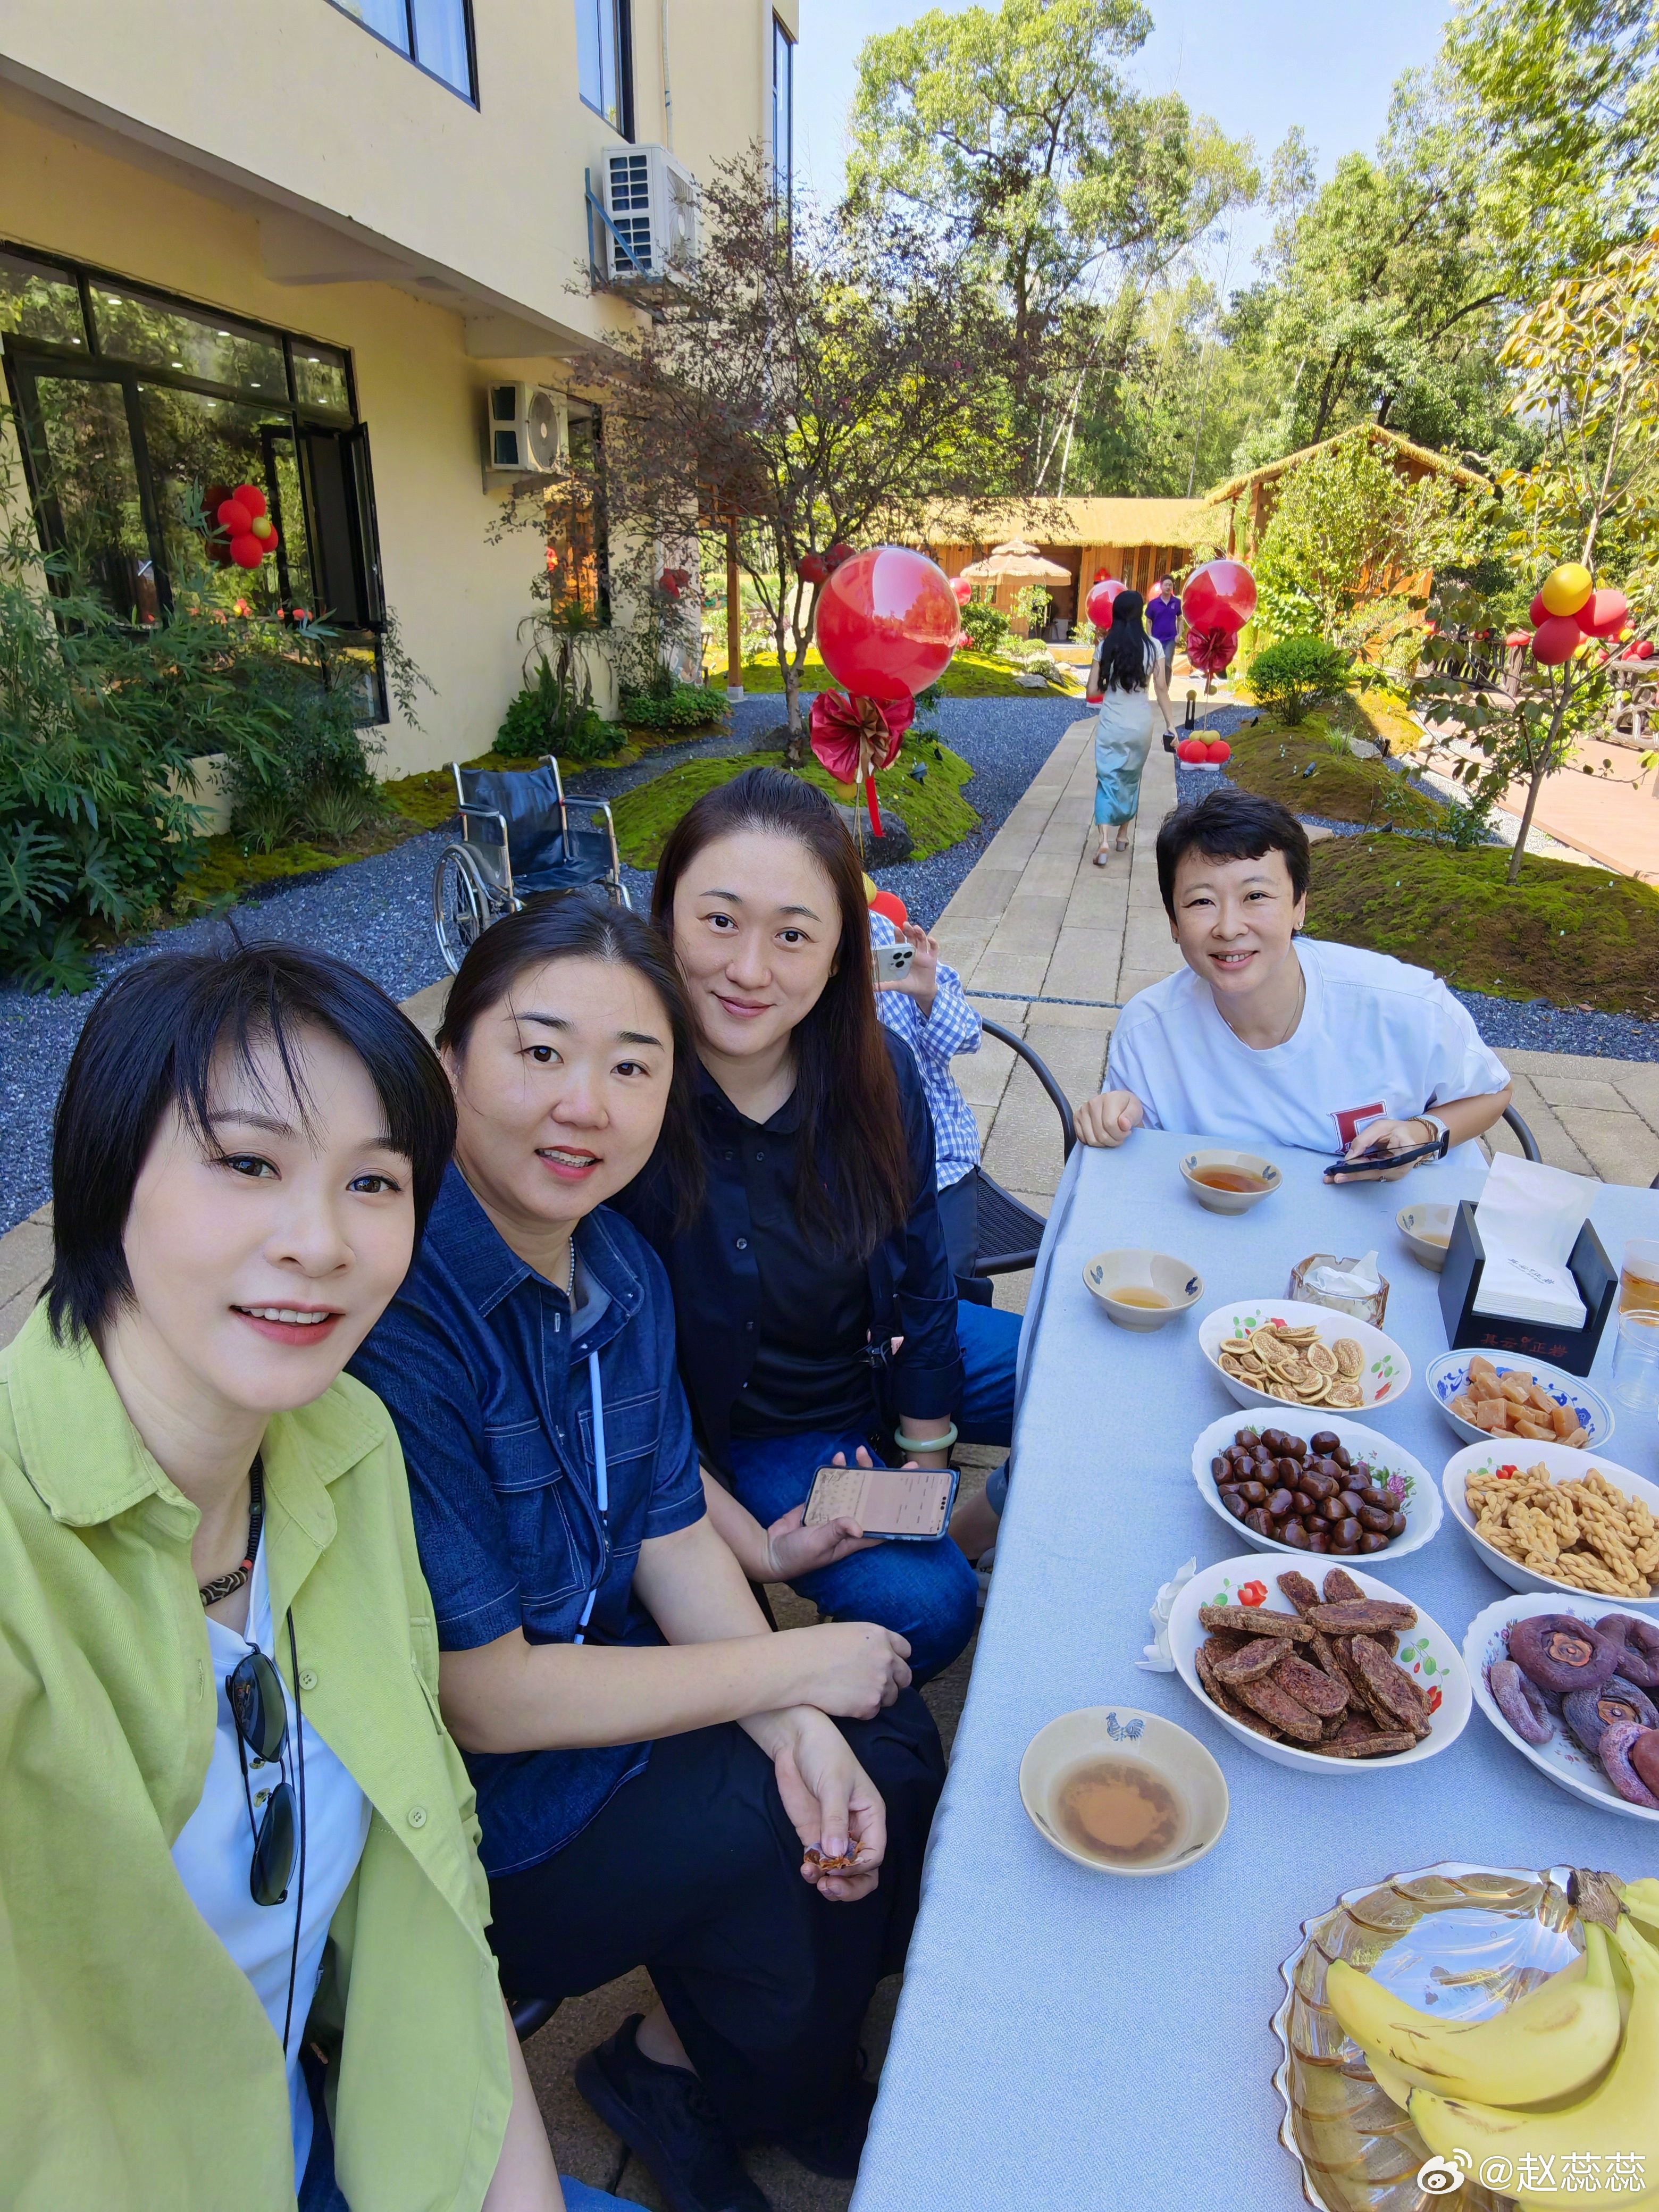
[[1143, 1289], [1427, 1232], [1122, 1791], [1230, 1182]]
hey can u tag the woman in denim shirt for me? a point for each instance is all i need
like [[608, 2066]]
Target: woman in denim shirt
[[650, 1760], [816, 1310]]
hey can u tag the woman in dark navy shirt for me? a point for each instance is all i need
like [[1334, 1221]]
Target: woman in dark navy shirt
[[650, 1760], [818, 1247]]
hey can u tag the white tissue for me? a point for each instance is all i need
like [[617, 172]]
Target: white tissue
[[1157, 1660], [1359, 1281], [1529, 1216]]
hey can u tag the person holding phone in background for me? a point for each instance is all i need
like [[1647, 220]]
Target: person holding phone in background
[[653, 1763], [1265, 1036]]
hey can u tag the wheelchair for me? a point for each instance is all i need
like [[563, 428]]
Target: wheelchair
[[521, 833]]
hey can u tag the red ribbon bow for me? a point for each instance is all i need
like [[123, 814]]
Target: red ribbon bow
[[854, 736]]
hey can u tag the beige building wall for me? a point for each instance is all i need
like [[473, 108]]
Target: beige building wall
[[283, 165]]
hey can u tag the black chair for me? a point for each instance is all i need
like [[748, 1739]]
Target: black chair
[[1010, 1233], [521, 833], [1529, 1143], [528, 2014]]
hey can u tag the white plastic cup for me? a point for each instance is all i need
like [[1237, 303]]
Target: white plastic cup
[[1636, 1362]]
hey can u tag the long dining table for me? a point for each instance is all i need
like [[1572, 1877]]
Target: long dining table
[[1068, 2037]]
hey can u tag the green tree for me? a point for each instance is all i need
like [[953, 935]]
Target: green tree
[[1015, 134], [1560, 98], [1347, 534], [1586, 362]]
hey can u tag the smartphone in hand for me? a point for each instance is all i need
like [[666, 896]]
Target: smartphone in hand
[[893, 962], [909, 1503]]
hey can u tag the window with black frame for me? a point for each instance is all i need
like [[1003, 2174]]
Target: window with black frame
[[436, 35], [141, 416], [605, 61], [783, 113]]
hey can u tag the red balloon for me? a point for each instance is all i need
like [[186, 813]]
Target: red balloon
[[247, 551], [1557, 640], [235, 518], [1220, 595], [1194, 751], [891, 904], [1217, 749], [964, 590], [250, 497], [1519, 637], [1538, 612], [813, 568], [888, 622], [1098, 605], [1605, 615]]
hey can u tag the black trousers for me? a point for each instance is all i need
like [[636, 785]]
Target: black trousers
[[693, 1870]]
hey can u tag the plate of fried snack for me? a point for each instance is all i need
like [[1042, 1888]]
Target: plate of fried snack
[[1485, 1395], [1550, 1517], [1326, 1485], [1575, 1688], [1488, 2034], [1336, 1674], [1285, 1353]]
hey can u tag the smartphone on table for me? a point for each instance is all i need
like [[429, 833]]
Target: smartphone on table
[[892, 961], [911, 1505]]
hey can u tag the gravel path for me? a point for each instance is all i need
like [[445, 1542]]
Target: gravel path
[[1522, 1024], [377, 913]]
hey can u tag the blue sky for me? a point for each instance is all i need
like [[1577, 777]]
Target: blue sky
[[1257, 66]]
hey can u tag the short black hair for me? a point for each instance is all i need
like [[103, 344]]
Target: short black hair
[[576, 926], [1229, 824], [149, 1044]]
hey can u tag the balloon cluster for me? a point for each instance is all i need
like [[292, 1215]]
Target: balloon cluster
[[818, 567], [1218, 600], [244, 519], [888, 621], [1204, 752], [1567, 609]]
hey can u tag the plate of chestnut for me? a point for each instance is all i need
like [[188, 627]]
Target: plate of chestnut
[[1337, 1488]]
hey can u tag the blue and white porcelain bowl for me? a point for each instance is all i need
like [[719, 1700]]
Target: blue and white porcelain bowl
[[1563, 1760], [1447, 1377]]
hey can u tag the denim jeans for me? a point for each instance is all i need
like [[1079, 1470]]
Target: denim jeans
[[927, 1592]]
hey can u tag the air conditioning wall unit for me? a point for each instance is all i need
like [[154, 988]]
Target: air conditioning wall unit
[[652, 201], [528, 431]]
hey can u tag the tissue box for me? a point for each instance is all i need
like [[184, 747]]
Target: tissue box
[[1575, 1349]]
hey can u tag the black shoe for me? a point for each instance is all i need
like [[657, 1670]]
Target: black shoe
[[664, 2116], [834, 2147]]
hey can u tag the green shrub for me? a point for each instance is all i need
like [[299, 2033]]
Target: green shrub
[[682, 707], [1292, 677], [986, 626], [317, 780], [551, 716]]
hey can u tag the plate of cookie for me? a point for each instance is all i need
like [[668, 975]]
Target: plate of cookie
[[1557, 1518], [1285, 1353], [1319, 1666]]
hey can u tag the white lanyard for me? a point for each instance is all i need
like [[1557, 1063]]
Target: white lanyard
[[603, 1485]]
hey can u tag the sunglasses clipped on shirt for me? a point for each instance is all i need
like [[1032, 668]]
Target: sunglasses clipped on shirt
[[259, 1711]]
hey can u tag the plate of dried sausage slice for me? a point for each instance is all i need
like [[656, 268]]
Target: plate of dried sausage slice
[[1318, 1665]]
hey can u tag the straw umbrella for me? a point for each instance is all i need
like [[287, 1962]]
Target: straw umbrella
[[1021, 562]]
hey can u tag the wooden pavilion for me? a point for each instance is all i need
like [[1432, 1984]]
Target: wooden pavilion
[[1136, 539], [1248, 501]]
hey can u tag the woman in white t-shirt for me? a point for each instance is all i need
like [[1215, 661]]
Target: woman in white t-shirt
[[1126, 659], [1264, 1037]]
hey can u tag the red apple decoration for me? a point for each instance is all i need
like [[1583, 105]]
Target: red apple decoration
[[1553, 641], [888, 622], [1098, 605], [1219, 595]]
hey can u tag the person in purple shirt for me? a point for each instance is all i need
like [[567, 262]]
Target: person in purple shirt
[[1163, 620]]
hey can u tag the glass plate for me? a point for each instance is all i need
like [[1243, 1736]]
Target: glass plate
[[1479, 1937]]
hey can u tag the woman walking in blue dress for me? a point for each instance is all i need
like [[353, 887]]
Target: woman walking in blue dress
[[1123, 734]]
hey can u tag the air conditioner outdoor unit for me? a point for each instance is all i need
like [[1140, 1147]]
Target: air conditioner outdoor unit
[[652, 201], [528, 430]]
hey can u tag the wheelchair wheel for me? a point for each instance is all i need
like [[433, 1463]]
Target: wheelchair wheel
[[462, 907]]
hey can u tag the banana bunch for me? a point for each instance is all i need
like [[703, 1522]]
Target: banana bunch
[[1567, 2076]]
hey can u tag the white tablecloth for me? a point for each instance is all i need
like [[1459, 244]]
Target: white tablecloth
[[1067, 2039]]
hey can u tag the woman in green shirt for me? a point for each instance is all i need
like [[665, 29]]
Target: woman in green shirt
[[233, 1832]]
